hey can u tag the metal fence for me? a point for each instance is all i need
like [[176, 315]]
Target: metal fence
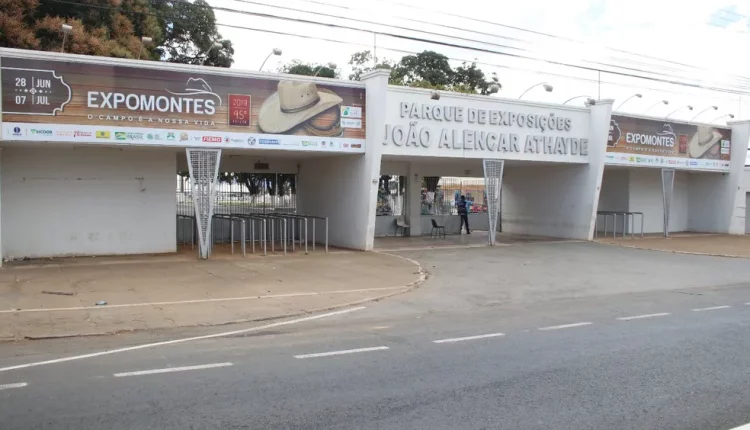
[[244, 193], [391, 196], [440, 195]]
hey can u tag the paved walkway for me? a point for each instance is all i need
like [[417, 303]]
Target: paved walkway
[[58, 297], [720, 245]]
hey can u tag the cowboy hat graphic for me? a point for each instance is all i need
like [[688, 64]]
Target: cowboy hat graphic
[[292, 104], [703, 140], [197, 86]]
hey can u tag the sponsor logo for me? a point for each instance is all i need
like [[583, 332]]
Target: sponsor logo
[[103, 135], [157, 136], [197, 138], [170, 136], [309, 143], [351, 123], [251, 141], [212, 139], [40, 132], [64, 133], [672, 162], [150, 136], [82, 134], [183, 137], [359, 145], [346, 145], [269, 141], [233, 140], [693, 163], [126, 135], [351, 112], [17, 131]]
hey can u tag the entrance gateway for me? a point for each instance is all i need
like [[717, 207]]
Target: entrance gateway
[[93, 161]]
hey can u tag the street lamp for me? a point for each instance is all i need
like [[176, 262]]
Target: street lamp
[[66, 29], [666, 102], [704, 110], [547, 87], [146, 41], [215, 45], [274, 51], [628, 99], [677, 110], [729, 115], [589, 100]]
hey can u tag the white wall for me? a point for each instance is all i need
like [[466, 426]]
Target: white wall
[[615, 192], [336, 187], [87, 201], [646, 197]]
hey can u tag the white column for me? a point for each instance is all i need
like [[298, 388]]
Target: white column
[[414, 199], [376, 85], [733, 193], [601, 114]]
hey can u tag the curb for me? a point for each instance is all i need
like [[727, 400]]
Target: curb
[[672, 251]]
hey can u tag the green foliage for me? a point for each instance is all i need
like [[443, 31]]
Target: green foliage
[[297, 67], [181, 31]]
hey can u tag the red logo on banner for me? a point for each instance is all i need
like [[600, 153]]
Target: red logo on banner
[[212, 139]]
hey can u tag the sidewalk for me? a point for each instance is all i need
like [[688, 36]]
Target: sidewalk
[[710, 244], [58, 298]]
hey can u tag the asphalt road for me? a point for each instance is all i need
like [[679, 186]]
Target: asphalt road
[[537, 336]]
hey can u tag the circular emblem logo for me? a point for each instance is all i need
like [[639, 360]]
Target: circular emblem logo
[[251, 141], [17, 130]]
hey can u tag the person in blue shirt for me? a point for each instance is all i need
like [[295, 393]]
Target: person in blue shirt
[[463, 211]]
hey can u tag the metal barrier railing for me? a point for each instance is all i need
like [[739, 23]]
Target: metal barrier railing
[[304, 218], [232, 220], [262, 231], [628, 220], [181, 239]]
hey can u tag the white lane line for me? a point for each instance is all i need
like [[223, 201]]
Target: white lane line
[[460, 339], [187, 302], [558, 327], [343, 352], [638, 317], [745, 427], [187, 339], [713, 308], [172, 369], [16, 385]]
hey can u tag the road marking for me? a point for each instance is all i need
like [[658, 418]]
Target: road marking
[[711, 308], [187, 339], [187, 302], [558, 327], [745, 427], [343, 352], [460, 339], [638, 317], [16, 385], [172, 369]]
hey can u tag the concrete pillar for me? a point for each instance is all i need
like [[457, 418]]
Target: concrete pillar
[[732, 193], [376, 86], [414, 199]]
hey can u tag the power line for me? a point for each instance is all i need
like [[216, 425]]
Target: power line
[[724, 90], [455, 15], [729, 89]]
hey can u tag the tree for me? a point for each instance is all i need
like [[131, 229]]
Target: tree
[[427, 67], [115, 28], [190, 33], [297, 67], [360, 65]]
